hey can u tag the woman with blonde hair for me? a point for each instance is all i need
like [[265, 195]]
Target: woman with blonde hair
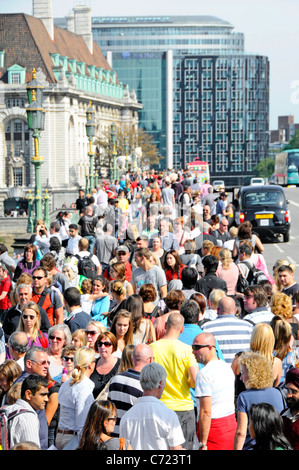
[[263, 341], [92, 330], [283, 347], [281, 304], [257, 375], [228, 271], [206, 247], [30, 323], [75, 398], [79, 338]]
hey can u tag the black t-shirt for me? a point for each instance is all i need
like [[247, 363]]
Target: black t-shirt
[[100, 380], [88, 225], [292, 291], [81, 203]]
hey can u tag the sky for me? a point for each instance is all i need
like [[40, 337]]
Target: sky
[[270, 28]]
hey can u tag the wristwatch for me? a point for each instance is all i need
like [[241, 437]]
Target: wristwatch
[[201, 445]]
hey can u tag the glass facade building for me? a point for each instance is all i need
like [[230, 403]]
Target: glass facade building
[[202, 95]]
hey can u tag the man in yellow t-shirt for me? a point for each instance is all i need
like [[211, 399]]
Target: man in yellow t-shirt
[[181, 367]]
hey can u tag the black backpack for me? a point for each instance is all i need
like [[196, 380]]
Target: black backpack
[[86, 267], [254, 277]]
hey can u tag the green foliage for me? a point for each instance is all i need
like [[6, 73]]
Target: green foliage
[[293, 143], [265, 168]]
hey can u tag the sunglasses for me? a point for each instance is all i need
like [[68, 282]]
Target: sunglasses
[[113, 418], [92, 333], [52, 337], [32, 317], [41, 363], [38, 277], [68, 358], [196, 347], [104, 343]]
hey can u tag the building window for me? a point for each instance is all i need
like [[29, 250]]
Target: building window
[[18, 153], [18, 176], [15, 78]]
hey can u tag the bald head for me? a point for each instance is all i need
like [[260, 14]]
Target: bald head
[[205, 338], [226, 306], [175, 321], [142, 355]]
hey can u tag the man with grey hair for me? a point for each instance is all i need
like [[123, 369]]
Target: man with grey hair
[[36, 361], [149, 424], [17, 347], [13, 314]]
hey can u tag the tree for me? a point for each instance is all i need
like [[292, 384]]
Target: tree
[[265, 168], [135, 138], [293, 143]]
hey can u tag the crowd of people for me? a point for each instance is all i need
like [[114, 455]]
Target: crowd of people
[[147, 319]]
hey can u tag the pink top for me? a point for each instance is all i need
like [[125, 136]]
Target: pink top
[[230, 276]]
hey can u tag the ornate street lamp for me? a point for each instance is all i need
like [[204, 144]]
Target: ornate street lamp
[[113, 134], [90, 132], [126, 146], [36, 123]]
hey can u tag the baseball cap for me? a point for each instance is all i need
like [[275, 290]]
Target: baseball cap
[[223, 193], [122, 248]]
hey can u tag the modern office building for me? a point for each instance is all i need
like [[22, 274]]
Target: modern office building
[[202, 95]]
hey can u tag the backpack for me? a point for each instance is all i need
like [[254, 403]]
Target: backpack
[[254, 277], [6, 417], [86, 267]]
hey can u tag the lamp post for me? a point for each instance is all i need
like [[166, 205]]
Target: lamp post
[[36, 123], [126, 146], [90, 132], [113, 140]]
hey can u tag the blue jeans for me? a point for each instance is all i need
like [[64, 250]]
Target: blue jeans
[[91, 240]]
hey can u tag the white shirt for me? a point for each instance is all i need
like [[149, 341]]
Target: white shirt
[[216, 380], [24, 427], [72, 245], [75, 402], [94, 258], [150, 425]]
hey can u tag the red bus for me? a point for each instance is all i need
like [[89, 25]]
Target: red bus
[[199, 170]]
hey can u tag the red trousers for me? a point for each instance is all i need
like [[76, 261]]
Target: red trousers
[[222, 433]]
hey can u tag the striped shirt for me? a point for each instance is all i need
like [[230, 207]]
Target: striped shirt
[[233, 335], [25, 426], [259, 315], [124, 389]]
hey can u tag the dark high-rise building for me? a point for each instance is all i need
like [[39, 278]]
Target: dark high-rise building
[[202, 95]]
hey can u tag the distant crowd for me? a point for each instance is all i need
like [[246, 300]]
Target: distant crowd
[[146, 318]]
